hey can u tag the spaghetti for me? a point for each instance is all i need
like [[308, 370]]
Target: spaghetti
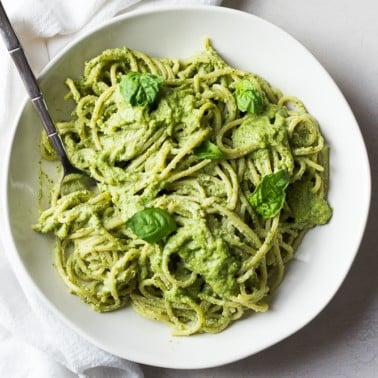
[[239, 179]]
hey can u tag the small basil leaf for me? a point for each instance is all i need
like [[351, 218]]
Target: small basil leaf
[[248, 97], [208, 150], [152, 224], [140, 88], [269, 196]]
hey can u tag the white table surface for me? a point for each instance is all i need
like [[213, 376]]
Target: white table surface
[[343, 340]]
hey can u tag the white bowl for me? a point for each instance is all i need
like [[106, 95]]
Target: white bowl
[[326, 253]]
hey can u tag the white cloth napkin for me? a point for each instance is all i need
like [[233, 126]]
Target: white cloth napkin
[[33, 341]]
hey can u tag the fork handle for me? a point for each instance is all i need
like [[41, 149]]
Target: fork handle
[[10, 37], [18, 55]]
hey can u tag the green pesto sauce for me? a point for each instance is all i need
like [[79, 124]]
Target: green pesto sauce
[[262, 130], [307, 207], [204, 254]]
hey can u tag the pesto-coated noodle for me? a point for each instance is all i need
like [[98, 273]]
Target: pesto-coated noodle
[[239, 188]]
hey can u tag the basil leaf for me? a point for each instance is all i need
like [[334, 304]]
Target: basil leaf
[[140, 88], [152, 224], [248, 97], [208, 150], [269, 196]]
